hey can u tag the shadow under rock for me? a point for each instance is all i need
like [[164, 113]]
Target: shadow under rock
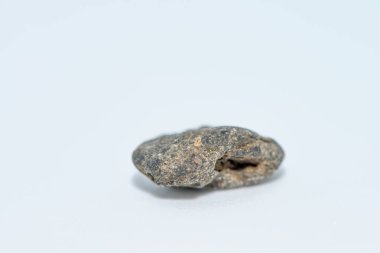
[[144, 184]]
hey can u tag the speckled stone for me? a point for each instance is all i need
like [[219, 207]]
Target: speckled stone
[[220, 157]]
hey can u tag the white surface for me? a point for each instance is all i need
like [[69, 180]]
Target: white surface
[[82, 83]]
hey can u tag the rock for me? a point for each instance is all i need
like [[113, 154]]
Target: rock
[[221, 157]]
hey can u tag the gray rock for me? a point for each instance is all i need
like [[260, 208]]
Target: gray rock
[[221, 157]]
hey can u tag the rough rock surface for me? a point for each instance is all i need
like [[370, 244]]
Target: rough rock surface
[[221, 157]]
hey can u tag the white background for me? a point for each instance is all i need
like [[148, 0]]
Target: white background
[[82, 83]]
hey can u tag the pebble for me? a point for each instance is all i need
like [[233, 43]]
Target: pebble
[[220, 157]]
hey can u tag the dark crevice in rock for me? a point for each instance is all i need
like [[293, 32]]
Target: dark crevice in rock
[[234, 164], [240, 165]]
